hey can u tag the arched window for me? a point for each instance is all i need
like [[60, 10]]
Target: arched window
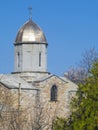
[[54, 93]]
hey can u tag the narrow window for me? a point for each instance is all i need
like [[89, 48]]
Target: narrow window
[[18, 59], [40, 59], [54, 93]]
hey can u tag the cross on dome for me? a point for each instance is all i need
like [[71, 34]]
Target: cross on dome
[[30, 13]]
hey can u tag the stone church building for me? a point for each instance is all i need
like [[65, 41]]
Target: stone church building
[[46, 95]]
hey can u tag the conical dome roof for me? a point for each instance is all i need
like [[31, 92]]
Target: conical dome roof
[[30, 33]]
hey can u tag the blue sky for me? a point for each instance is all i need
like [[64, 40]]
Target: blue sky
[[70, 26]]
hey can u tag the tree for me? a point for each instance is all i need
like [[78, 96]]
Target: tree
[[13, 116], [89, 57], [42, 117], [85, 106], [78, 74], [60, 124], [5, 105]]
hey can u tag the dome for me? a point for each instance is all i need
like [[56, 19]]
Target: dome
[[30, 33]]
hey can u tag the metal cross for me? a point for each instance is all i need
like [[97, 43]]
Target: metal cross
[[30, 12]]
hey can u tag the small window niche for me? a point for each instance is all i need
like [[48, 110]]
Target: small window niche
[[18, 57], [54, 93], [40, 59]]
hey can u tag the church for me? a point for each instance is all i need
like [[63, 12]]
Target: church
[[32, 88]]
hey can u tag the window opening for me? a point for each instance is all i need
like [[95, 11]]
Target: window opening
[[40, 59], [54, 93], [18, 59]]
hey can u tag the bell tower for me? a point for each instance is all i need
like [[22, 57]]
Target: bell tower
[[30, 49]]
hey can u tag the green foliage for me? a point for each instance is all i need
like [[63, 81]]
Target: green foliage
[[59, 124], [85, 108]]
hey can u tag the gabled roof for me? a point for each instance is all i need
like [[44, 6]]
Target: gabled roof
[[12, 82], [50, 76]]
